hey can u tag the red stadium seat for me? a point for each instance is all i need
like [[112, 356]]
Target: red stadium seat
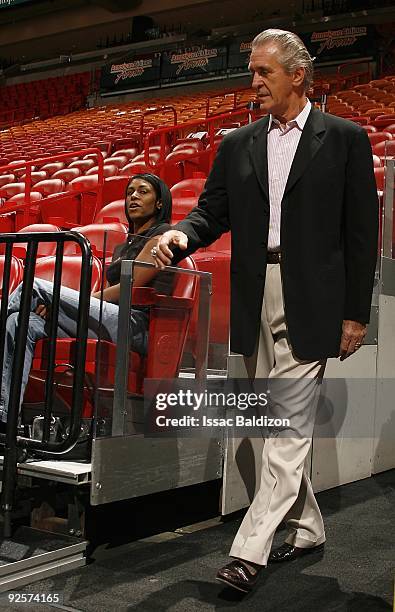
[[128, 153], [194, 185], [10, 189], [82, 164], [108, 170], [71, 271], [84, 183], [114, 211], [104, 236], [377, 137], [193, 143], [36, 177], [377, 161], [183, 205], [119, 161], [20, 198], [135, 168], [383, 149], [94, 156], [53, 167], [5, 179], [114, 188], [16, 272], [44, 249], [65, 207], [50, 186], [67, 174]]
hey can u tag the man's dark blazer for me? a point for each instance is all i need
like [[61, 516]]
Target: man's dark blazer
[[329, 229]]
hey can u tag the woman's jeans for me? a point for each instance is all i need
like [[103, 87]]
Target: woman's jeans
[[67, 328]]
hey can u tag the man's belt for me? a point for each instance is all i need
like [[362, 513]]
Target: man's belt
[[273, 257]]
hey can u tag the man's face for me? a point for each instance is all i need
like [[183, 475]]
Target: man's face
[[273, 85]]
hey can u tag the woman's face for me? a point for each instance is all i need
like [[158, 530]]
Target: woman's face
[[141, 203]]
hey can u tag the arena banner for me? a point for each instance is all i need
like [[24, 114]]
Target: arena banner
[[344, 43], [132, 72], [11, 3], [239, 54], [183, 65]]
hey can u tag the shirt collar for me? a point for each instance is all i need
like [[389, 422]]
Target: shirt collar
[[299, 121]]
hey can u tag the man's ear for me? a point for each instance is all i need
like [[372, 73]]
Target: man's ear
[[298, 76], [159, 204]]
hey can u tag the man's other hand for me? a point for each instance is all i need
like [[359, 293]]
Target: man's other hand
[[162, 253], [352, 338]]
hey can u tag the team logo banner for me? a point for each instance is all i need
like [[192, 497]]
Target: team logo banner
[[11, 3], [344, 43], [131, 73], [239, 54], [193, 63]]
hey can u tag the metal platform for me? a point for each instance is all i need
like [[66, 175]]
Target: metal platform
[[69, 472], [31, 555]]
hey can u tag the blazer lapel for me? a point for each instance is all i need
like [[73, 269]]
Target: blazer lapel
[[258, 154], [309, 144]]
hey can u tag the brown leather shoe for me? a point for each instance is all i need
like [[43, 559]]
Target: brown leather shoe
[[287, 552], [236, 575]]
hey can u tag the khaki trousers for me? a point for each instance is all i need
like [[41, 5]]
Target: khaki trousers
[[285, 492]]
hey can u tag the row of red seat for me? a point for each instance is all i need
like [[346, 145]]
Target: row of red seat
[[43, 98]]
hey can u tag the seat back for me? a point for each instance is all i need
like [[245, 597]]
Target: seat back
[[114, 211], [52, 167], [108, 170], [376, 137], [67, 174], [84, 183], [50, 186], [135, 167], [71, 271], [112, 233], [6, 179], [386, 148], [40, 175], [44, 249], [195, 185], [11, 189], [16, 273], [20, 198], [114, 188], [117, 160], [82, 164]]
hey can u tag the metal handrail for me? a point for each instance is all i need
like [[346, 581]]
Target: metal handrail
[[210, 124], [12, 440], [154, 111]]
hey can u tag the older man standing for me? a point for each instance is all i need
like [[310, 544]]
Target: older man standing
[[297, 191]]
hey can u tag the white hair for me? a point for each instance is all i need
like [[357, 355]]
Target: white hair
[[293, 52]]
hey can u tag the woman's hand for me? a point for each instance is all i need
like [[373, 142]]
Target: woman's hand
[[42, 311]]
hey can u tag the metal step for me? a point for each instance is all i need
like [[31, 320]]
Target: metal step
[[31, 555], [69, 472]]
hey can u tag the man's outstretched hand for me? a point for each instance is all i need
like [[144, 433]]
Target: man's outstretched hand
[[352, 338], [162, 253]]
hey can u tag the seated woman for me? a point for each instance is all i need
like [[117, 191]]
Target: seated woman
[[148, 207]]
